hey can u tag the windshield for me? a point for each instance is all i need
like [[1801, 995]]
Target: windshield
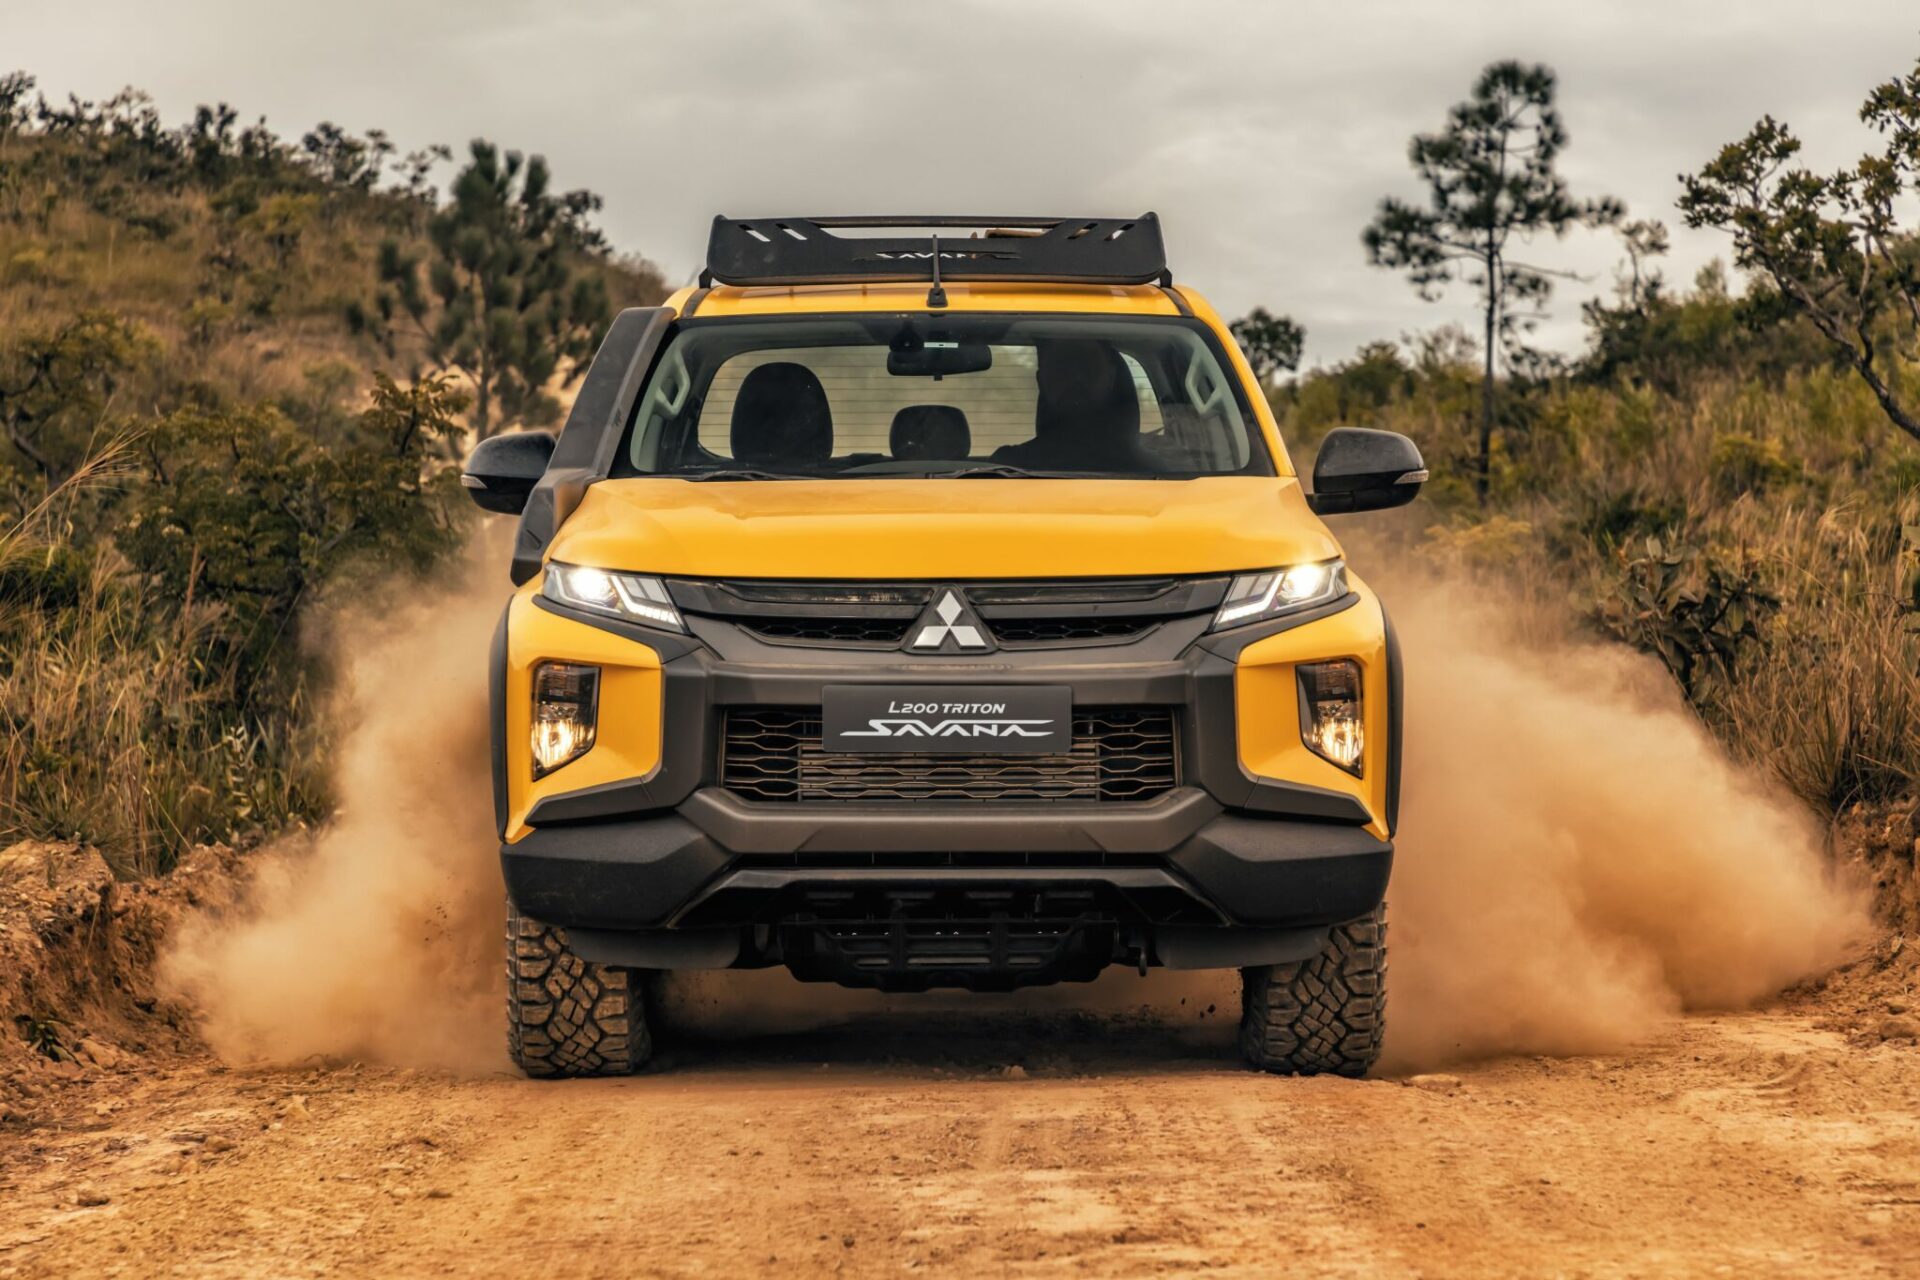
[[942, 395]]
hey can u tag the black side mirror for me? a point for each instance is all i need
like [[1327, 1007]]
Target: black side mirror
[[1363, 470], [501, 472]]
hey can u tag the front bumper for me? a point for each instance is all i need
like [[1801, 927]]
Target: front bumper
[[640, 851], [719, 862]]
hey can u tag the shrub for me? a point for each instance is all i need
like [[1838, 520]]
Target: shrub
[[1697, 612], [1741, 464]]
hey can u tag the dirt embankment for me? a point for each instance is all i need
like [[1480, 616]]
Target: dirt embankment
[[78, 992]]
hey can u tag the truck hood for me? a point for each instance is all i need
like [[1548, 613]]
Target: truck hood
[[917, 529]]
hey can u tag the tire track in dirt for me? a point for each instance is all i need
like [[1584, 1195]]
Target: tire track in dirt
[[1756, 1143]]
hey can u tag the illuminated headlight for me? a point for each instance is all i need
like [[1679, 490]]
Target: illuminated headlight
[[566, 707], [1330, 721], [619, 595], [1254, 597]]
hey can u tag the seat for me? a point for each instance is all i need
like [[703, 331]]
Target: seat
[[930, 433], [781, 419], [1087, 416]]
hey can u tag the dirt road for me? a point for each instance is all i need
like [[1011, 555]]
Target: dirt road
[[1737, 1145]]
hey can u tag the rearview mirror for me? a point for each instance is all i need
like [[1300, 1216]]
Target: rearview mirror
[[938, 359], [1362, 470], [501, 472]]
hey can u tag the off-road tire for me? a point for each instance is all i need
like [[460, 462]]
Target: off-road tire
[[567, 1016], [1323, 1016]]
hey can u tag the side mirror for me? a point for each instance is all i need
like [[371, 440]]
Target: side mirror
[[1363, 470], [501, 472]]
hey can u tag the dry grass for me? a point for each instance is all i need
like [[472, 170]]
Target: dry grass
[[121, 733], [1802, 485], [124, 738]]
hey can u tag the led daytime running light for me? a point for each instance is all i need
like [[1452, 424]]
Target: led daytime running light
[[1255, 596], [637, 597]]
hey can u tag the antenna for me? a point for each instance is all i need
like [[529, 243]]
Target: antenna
[[936, 296]]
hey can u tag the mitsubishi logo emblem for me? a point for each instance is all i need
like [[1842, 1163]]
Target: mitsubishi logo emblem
[[949, 624]]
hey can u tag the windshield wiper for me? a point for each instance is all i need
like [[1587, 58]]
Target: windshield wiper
[[742, 473], [1007, 471], [997, 471]]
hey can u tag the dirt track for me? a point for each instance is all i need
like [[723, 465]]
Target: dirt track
[[1741, 1145]]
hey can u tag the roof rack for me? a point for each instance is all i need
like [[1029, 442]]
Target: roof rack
[[792, 251]]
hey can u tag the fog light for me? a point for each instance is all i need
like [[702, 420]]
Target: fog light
[[566, 702], [1330, 719]]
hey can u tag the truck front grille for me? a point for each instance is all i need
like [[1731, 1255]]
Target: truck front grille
[[1042, 631], [1119, 754], [886, 633], [1019, 614]]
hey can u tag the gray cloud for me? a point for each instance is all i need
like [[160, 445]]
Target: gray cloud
[[1264, 133]]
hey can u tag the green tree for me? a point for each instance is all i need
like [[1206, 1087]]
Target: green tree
[[344, 161], [502, 301], [1273, 344], [1832, 246], [1490, 181], [15, 108], [1621, 331], [56, 386], [245, 508]]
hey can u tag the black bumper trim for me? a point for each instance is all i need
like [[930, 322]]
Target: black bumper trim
[[744, 827], [1231, 868]]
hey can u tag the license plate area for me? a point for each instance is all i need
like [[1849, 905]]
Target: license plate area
[[871, 719]]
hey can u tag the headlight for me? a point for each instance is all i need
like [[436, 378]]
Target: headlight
[[1330, 720], [632, 596], [566, 711], [1254, 597]]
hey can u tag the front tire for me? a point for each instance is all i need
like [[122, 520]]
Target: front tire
[[567, 1016], [1323, 1016]]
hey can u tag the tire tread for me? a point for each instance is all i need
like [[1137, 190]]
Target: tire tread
[[1321, 1016], [567, 1016]]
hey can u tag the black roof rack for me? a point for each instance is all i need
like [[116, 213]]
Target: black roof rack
[[789, 251]]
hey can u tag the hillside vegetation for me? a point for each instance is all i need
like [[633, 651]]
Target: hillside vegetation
[[235, 371], [1727, 479], [1713, 491]]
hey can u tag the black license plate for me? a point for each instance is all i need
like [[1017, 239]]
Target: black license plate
[[1006, 719]]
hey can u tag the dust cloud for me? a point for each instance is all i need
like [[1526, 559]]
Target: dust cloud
[[1577, 862], [378, 937], [1577, 858]]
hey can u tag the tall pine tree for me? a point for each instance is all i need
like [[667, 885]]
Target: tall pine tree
[[501, 301], [1490, 181]]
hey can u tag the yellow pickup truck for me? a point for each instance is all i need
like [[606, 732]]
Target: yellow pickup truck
[[931, 602]]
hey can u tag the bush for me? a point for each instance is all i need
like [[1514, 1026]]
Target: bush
[[1697, 612], [245, 510], [151, 693], [1741, 464]]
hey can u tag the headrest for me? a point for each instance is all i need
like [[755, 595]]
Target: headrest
[[928, 432], [1086, 391], [781, 418]]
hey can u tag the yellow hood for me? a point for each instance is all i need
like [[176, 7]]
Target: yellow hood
[[981, 528]]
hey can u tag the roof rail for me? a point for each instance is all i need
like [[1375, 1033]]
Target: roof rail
[[792, 251]]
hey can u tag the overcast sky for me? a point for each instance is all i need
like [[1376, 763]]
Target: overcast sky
[[1263, 133]]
